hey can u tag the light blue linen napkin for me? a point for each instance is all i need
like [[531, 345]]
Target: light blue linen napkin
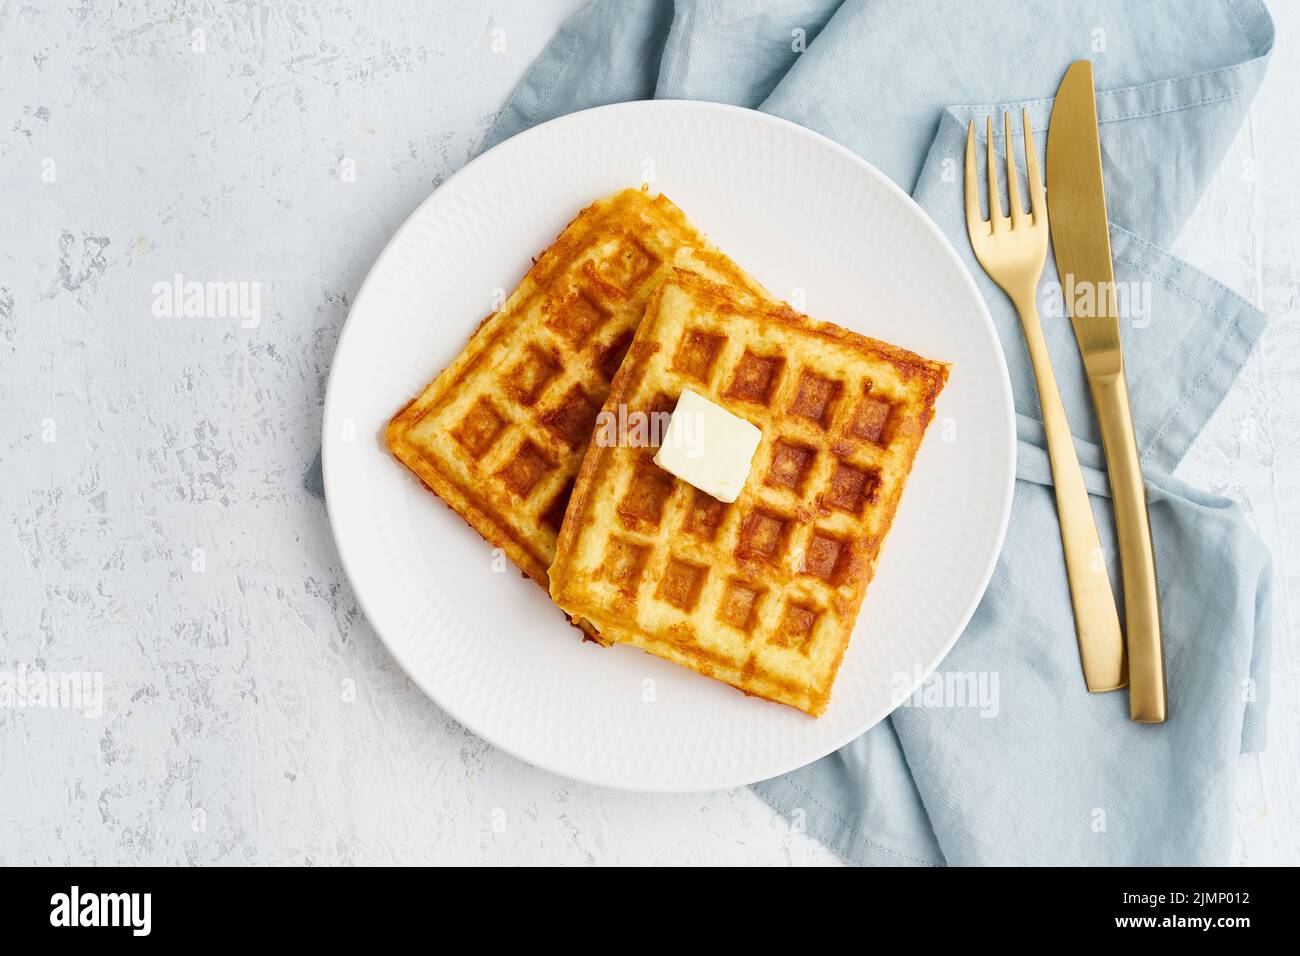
[[1030, 768]]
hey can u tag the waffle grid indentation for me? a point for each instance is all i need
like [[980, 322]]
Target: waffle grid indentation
[[480, 428], [526, 468]]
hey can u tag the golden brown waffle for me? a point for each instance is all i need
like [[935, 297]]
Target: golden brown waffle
[[500, 433], [762, 593]]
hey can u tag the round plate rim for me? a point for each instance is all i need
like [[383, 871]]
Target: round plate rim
[[520, 141]]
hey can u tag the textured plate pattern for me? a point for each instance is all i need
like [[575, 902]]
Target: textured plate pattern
[[816, 225]]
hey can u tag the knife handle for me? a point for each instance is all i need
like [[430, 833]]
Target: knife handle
[[1146, 655], [1096, 622]]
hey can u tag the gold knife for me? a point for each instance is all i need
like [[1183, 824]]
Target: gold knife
[[1076, 203]]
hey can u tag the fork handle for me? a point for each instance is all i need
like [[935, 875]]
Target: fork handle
[[1096, 622], [1147, 702]]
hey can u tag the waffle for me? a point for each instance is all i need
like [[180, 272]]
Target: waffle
[[762, 593], [500, 433]]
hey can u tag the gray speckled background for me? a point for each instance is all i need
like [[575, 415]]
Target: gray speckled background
[[153, 521]]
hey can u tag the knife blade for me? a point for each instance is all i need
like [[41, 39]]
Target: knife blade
[[1076, 202]]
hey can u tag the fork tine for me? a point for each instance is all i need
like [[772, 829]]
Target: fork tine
[[1037, 198], [973, 214], [995, 195], [1013, 176]]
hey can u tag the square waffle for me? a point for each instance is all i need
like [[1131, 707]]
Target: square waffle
[[500, 433], [762, 593]]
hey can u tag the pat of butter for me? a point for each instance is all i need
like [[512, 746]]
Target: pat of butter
[[708, 447]]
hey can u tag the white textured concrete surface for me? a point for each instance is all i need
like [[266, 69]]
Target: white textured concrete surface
[[153, 522]]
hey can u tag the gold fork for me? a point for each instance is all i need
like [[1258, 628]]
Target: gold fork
[[1012, 250]]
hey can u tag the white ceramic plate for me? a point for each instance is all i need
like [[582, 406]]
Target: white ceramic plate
[[817, 226]]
